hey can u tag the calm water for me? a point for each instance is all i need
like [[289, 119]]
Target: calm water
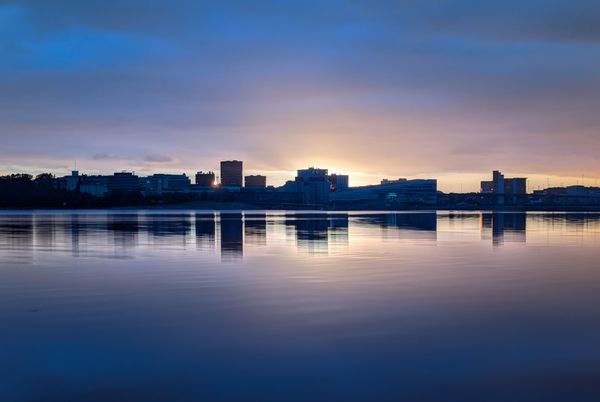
[[299, 307]]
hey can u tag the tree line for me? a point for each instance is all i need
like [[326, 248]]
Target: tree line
[[25, 191]]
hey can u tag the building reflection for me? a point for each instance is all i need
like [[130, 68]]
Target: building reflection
[[74, 229], [504, 227], [338, 229], [176, 225], [205, 228], [314, 231], [255, 228], [574, 220], [232, 235], [124, 229], [421, 225], [16, 235], [44, 231], [24, 237], [425, 221]]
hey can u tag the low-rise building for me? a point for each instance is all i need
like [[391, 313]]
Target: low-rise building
[[169, 183], [501, 190], [205, 179], [123, 181], [415, 192], [255, 181], [338, 182], [94, 185]]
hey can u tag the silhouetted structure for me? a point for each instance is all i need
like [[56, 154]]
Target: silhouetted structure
[[255, 181], [123, 181], [313, 184], [567, 196], [205, 179], [501, 190], [96, 186], [338, 182], [72, 182], [169, 184], [231, 173], [402, 192]]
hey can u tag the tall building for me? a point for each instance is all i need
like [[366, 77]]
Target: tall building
[[231, 174], [205, 179], [255, 181]]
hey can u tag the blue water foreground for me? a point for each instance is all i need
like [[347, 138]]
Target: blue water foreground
[[299, 306]]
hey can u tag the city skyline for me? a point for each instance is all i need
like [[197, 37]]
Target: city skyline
[[471, 183], [384, 89]]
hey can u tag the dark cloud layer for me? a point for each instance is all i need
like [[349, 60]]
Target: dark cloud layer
[[379, 87]]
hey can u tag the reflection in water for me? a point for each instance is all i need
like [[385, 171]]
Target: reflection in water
[[124, 229], [311, 232], [205, 230], [314, 232], [425, 221], [177, 225], [510, 227], [232, 235], [405, 306], [255, 228]]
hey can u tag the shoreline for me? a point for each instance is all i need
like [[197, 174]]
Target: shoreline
[[209, 206]]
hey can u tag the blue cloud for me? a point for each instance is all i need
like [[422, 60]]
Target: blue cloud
[[256, 79]]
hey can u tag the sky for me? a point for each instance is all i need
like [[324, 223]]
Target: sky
[[419, 89]]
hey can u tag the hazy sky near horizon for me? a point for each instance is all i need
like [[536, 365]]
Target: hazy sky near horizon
[[448, 89]]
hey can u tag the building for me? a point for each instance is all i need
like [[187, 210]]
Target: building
[[94, 185], [255, 181], [231, 174], [568, 196], [169, 184], [397, 192], [392, 181], [314, 185], [72, 181], [501, 190], [123, 181], [205, 179], [487, 187], [338, 182]]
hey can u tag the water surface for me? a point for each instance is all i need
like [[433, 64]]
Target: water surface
[[284, 306]]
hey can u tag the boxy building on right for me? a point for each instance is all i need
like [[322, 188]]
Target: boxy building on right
[[501, 190]]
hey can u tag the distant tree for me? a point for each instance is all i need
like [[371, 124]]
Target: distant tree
[[44, 181]]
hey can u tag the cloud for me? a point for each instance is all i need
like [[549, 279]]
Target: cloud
[[390, 87], [157, 158]]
